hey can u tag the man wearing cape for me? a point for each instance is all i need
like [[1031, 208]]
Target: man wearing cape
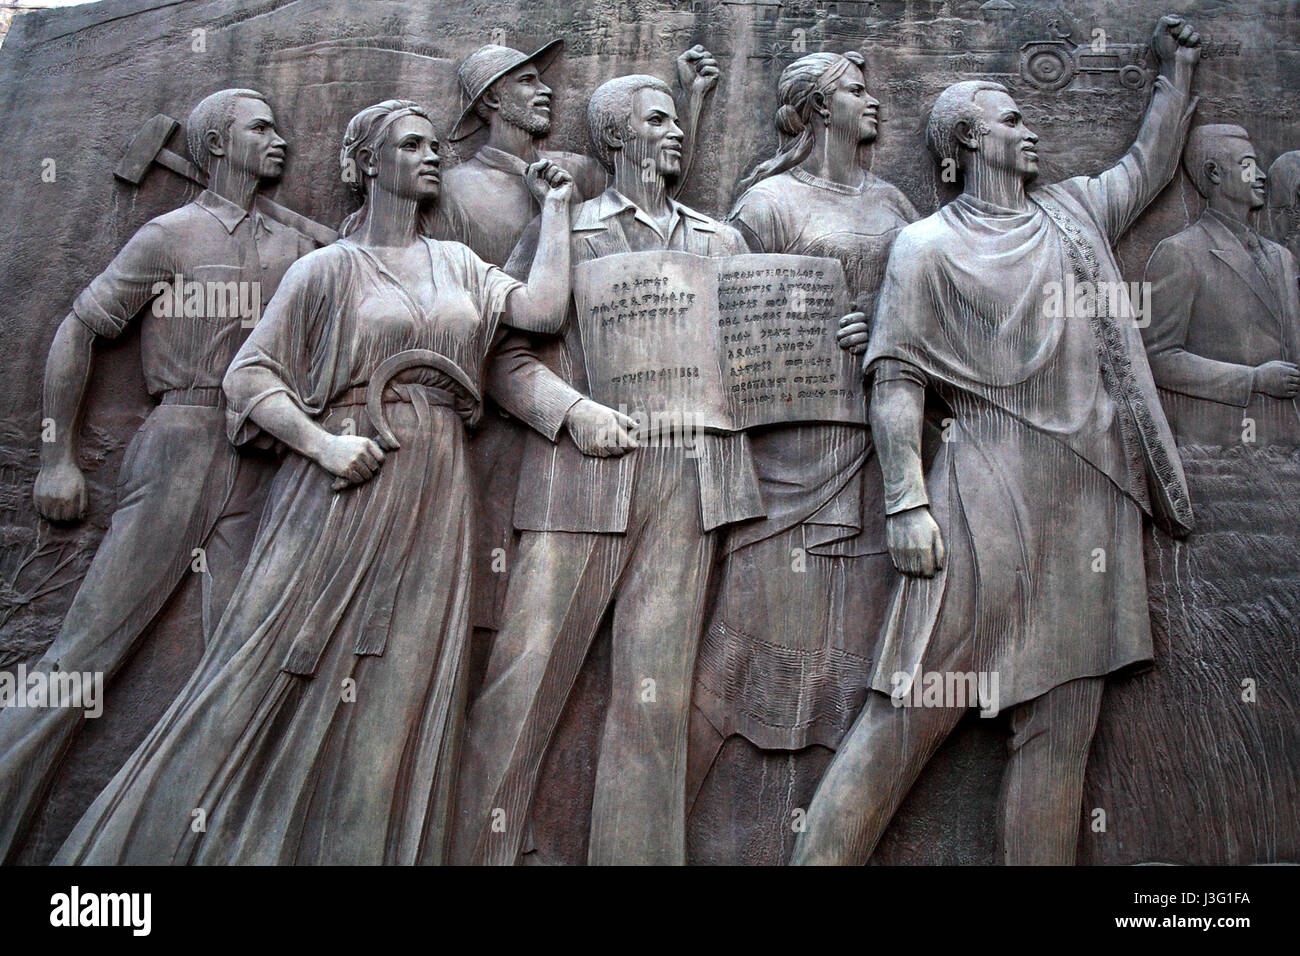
[[1022, 549]]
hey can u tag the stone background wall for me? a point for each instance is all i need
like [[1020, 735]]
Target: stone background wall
[[1183, 773], [12, 8]]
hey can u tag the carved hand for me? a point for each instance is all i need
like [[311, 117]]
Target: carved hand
[[1175, 39], [697, 71], [546, 181], [60, 492], [600, 431], [854, 333], [1277, 379], [353, 458], [915, 544]]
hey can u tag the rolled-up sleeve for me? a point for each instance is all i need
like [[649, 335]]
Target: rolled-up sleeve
[[893, 370], [294, 349], [132, 279]]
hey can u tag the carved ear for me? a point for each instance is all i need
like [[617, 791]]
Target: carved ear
[[215, 144], [490, 100], [611, 137], [965, 133], [1211, 172], [820, 106], [366, 162]]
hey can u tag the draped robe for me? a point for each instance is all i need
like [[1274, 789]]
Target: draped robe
[[332, 734], [1056, 445]]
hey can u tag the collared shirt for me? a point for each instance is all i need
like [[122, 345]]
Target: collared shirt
[[206, 271], [604, 226], [614, 203], [613, 223], [564, 490]]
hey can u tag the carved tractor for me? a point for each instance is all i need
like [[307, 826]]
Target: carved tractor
[[1052, 64]]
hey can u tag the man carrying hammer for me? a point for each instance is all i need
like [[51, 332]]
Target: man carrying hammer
[[187, 499]]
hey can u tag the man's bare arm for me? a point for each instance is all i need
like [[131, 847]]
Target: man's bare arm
[[897, 414], [1125, 189], [697, 75], [103, 310], [60, 492], [1178, 46]]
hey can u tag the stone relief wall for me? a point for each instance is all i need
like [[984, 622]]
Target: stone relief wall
[[1194, 761]]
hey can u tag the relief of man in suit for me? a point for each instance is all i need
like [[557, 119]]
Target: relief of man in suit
[[1224, 336]]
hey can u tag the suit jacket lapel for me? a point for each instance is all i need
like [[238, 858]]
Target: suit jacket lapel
[[1228, 249]]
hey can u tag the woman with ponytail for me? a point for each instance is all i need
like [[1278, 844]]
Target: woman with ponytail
[[333, 733], [785, 660]]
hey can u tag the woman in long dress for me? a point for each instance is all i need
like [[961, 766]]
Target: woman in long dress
[[785, 660], [332, 735]]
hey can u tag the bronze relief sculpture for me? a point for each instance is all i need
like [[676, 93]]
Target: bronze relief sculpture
[[348, 678], [785, 658], [1224, 335], [486, 204], [595, 531], [412, 604], [182, 486]]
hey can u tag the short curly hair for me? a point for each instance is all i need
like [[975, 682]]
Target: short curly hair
[[955, 105], [610, 108]]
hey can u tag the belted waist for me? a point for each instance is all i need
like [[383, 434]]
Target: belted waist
[[395, 393], [209, 396], [382, 390]]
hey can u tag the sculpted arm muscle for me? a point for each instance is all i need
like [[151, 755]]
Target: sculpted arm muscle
[[897, 412], [60, 493]]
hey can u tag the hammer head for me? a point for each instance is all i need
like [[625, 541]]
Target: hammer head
[[144, 149]]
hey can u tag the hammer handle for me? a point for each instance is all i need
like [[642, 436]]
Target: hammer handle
[[179, 164], [321, 235]]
